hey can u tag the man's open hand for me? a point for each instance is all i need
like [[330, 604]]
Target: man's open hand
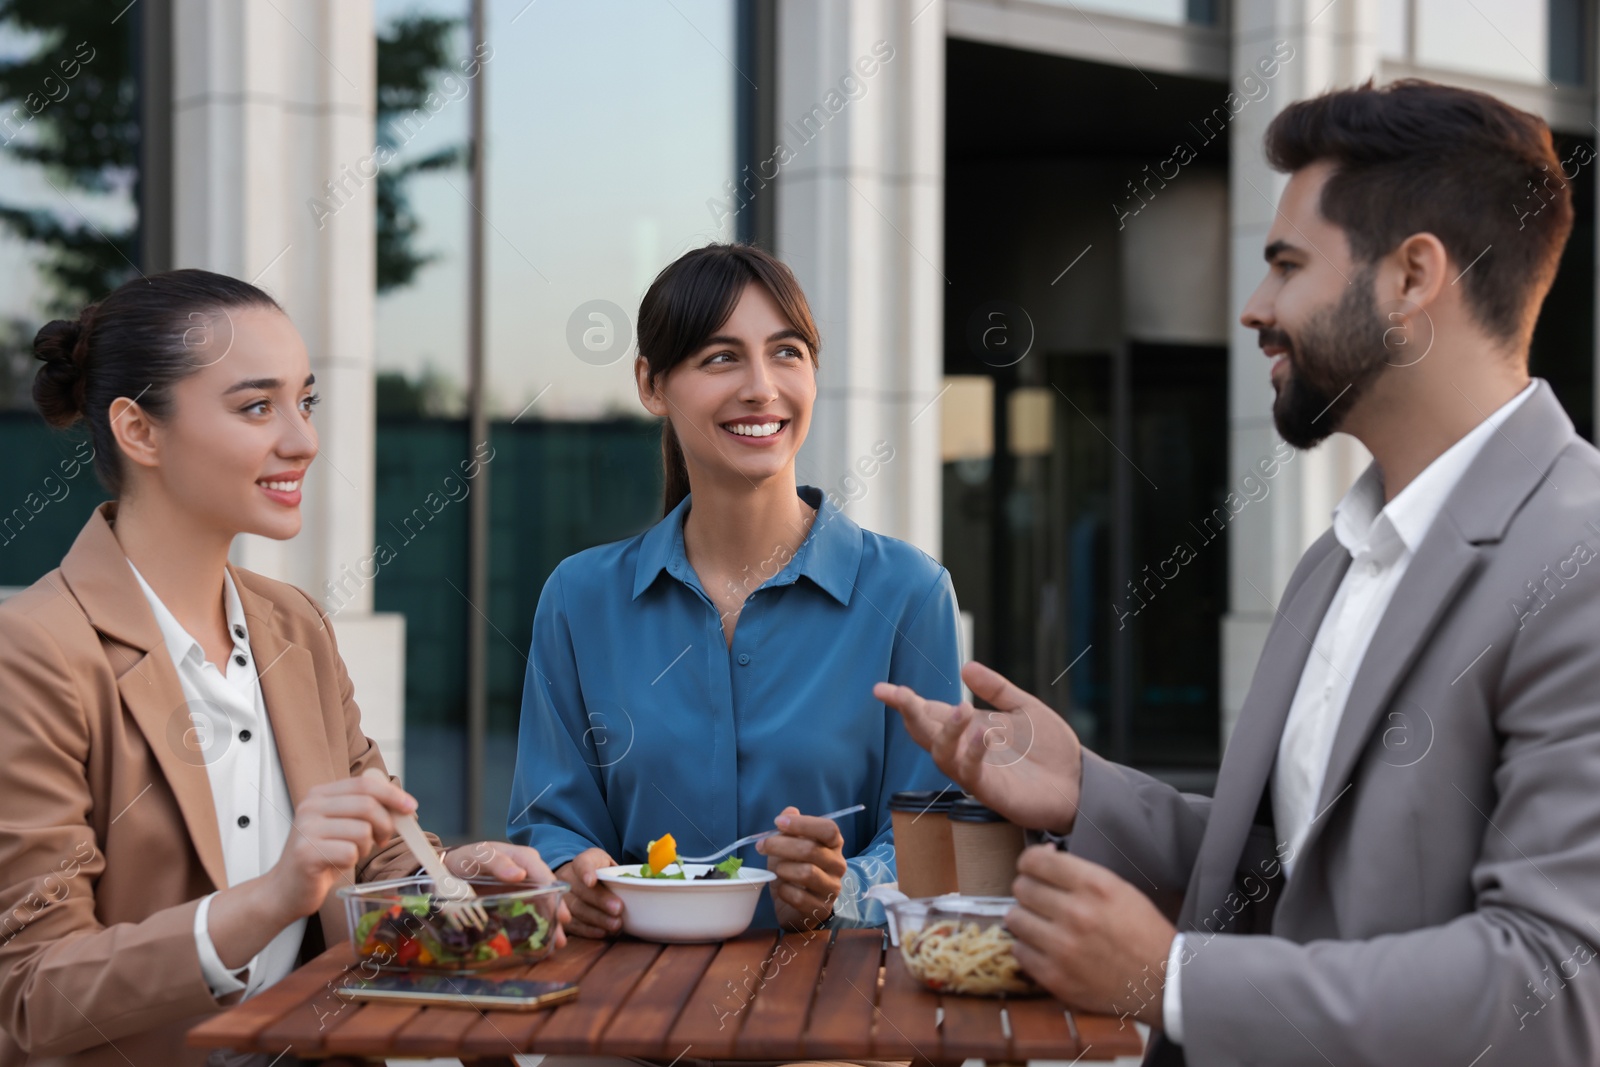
[[1022, 759]]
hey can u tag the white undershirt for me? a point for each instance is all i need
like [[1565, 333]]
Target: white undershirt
[[233, 735], [1381, 539]]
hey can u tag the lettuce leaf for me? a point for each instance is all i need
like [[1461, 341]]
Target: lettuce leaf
[[645, 871], [368, 921], [536, 939], [416, 905]]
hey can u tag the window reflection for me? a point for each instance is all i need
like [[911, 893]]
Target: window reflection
[[69, 232], [610, 143], [1540, 43], [611, 131], [421, 212], [1501, 38]]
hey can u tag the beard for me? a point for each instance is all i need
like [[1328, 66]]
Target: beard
[[1339, 355]]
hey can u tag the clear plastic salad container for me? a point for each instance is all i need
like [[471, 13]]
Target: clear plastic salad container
[[400, 924]]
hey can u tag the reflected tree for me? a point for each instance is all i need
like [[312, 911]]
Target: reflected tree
[[412, 52], [69, 105]]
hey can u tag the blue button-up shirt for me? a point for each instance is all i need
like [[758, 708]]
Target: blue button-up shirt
[[639, 719]]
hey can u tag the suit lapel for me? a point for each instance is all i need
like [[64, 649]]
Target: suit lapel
[[1510, 466], [1254, 746], [1442, 566], [97, 572], [289, 690]]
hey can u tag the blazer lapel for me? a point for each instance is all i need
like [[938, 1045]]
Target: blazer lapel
[[96, 570], [154, 698], [1443, 565], [1511, 465], [1253, 749], [289, 690]]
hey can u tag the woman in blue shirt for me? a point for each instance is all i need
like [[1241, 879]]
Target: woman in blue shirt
[[712, 677]]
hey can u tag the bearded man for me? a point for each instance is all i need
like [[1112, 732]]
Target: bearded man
[[1401, 862]]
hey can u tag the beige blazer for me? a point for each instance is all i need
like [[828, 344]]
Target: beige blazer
[[108, 834]]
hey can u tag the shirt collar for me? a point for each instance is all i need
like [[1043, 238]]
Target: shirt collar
[[830, 555], [179, 641], [1364, 525]]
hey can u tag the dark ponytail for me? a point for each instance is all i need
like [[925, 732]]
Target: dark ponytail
[[136, 342], [687, 303], [675, 473]]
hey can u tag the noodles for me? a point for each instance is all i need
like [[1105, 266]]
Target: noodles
[[953, 955]]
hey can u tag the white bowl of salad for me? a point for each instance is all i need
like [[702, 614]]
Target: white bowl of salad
[[668, 900]]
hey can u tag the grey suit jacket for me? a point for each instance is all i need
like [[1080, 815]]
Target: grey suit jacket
[[1444, 907]]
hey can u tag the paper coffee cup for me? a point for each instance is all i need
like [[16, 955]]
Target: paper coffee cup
[[924, 855], [986, 848]]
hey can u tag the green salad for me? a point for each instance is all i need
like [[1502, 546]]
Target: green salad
[[416, 933], [728, 868]]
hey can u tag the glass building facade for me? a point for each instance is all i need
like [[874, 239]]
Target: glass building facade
[[611, 132]]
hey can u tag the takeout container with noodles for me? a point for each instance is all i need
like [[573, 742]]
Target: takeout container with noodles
[[957, 944]]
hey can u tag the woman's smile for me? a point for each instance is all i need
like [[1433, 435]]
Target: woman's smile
[[283, 488], [756, 430]]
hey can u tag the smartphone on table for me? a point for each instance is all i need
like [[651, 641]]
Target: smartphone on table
[[451, 990]]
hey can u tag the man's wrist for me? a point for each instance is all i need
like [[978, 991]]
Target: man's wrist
[[1072, 798]]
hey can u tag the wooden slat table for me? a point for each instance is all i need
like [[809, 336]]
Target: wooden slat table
[[759, 996]]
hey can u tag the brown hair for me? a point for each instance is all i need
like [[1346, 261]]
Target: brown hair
[[137, 342], [1418, 157], [687, 303]]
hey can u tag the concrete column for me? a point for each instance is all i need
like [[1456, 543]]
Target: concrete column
[[860, 195], [273, 110], [1334, 45]]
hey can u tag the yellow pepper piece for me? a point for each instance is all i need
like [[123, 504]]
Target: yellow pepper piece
[[662, 851]]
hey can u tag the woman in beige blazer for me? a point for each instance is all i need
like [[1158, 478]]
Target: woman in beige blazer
[[136, 774]]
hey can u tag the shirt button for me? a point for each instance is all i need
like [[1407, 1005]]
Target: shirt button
[[244, 735], [239, 659], [244, 820], [744, 659], [238, 631]]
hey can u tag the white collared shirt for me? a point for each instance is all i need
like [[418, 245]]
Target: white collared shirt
[[1381, 539], [233, 735]]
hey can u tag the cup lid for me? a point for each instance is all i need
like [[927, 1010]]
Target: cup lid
[[921, 800], [968, 810]]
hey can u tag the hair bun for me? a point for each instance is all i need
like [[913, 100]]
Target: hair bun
[[58, 387]]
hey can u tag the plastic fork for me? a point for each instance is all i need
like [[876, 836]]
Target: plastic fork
[[753, 838], [457, 899]]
